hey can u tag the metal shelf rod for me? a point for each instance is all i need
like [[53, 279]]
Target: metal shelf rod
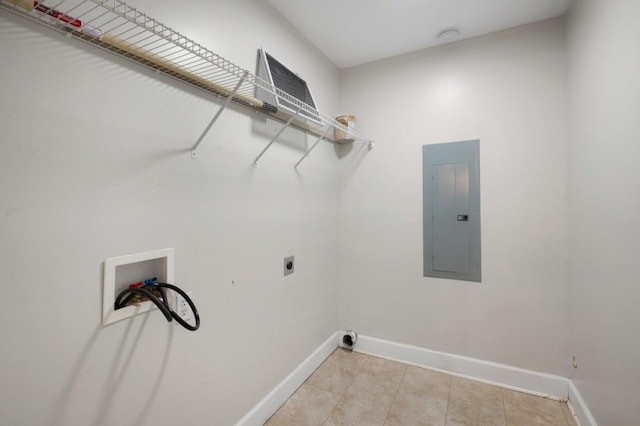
[[313, 146], [284, 127]]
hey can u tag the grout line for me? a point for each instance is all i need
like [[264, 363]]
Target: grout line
[[332, 411], [504, 406], [446, 410], [386, 419], [341, 396]]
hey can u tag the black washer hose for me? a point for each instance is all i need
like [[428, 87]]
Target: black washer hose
[[176, 317], [162, 305], [126, 295]]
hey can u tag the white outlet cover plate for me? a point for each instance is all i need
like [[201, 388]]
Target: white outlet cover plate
[[109, 313], [181, 307]]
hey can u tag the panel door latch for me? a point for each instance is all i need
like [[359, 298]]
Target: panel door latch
[[463, 218]]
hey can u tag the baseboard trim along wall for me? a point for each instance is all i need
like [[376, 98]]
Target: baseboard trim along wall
[[541, 384], [519, 379], [580, 407], [279, 395]]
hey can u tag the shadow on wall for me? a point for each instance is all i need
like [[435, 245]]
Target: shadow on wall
[[118, 370], [268, 128], [352, 155]]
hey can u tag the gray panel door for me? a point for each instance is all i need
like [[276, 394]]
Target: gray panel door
[[450, 201], [452, 210]]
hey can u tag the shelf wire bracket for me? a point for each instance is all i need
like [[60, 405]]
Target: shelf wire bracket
[[284, 127], [314, 145], [220, 111]]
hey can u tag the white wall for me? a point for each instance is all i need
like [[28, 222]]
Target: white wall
[[508, 90], [604, 65], [94, 162]]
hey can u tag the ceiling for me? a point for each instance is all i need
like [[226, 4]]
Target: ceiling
[[355, 32]]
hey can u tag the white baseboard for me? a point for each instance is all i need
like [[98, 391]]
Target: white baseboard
[[279, 395], [542, 384], [580, 407]]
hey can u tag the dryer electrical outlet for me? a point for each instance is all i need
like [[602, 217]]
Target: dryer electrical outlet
[[288, 265]]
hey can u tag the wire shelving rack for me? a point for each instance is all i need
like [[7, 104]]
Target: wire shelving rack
[[114, 26]]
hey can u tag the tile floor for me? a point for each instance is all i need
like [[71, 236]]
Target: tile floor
[[356, 389]]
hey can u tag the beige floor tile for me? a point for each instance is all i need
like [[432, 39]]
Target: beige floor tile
[[395, 420], [427, 382], [384, 369], [356, 389], [338, 371], [477, 392], [524, 409], [307, 406], [346, 355], [461, 412], [376, 394], [423, 396], [419, 406], [351, 413], [281, 419]]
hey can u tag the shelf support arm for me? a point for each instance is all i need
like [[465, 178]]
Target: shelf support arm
[[215, 117], [313, 146], [293, 117]]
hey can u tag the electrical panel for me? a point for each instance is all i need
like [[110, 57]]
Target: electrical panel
[[451, 210]]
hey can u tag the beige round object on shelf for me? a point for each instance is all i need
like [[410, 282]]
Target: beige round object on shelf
[[24, 4], [350, 122]]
